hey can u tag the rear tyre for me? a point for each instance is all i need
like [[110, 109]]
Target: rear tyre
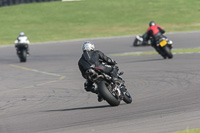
[[168, 52], [161, 51], [108, 95]]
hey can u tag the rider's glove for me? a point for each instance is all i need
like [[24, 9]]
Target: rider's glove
[[113, 61]]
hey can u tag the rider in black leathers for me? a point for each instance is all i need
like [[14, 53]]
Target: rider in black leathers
[[95, 57]]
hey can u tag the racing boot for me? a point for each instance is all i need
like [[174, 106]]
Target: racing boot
[[94, 90], [89, 86]]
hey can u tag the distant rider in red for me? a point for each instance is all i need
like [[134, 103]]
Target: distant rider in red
[[155, 32]]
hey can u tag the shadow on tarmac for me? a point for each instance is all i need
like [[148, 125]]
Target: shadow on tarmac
[[84, 108], [81, 108]]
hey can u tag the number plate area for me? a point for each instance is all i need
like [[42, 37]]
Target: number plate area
[[163, 43]]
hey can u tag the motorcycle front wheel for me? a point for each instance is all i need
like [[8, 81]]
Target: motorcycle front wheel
[[127, 97], [23, 56]]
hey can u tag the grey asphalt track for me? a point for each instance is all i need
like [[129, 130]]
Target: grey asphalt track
[[46, 95]]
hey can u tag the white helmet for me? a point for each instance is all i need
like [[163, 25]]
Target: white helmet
[[88, 46], [21, 34]]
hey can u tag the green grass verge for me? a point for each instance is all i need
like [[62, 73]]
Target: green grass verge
[[189, 131], [52, 21], [175, 51]]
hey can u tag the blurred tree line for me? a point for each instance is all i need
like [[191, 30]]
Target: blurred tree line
[[14, 2]]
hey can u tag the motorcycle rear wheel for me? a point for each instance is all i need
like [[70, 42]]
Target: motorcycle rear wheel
[[168, 52], [110, 97]]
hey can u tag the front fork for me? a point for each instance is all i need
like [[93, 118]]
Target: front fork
[[119, 89]]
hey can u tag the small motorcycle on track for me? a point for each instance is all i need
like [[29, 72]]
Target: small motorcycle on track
[[112, 92], [164, 46], [140, 41]]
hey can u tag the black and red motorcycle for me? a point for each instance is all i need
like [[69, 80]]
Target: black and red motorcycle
[[111, 91]]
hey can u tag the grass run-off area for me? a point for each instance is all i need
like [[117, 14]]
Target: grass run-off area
[[53, 21], [189, 131], [174, 51]]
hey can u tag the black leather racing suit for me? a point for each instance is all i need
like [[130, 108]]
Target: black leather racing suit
[[89, 58]]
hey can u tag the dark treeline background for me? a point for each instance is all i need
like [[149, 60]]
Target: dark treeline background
[[14, 2]]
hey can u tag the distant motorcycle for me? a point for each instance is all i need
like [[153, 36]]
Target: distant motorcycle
[[22, 51], [22, 47], [140, 41], [164, 46], [112, 92]]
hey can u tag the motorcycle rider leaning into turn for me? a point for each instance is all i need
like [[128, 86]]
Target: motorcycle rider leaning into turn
[[155, 32], [22, 39], [91, 57]]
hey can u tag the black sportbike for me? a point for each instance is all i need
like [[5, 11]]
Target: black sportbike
[[22, 52], [164, 46], [111, 91]]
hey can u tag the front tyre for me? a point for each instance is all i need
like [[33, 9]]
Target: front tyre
[[23, 56], [127, 97], [106, 92]]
